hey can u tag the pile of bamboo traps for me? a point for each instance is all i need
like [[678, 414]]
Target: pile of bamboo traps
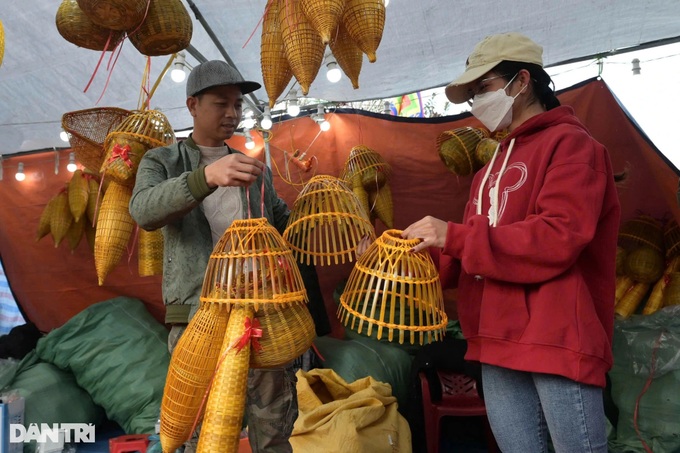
[[303, 28], [369, 175], [252, 314], [647, 258], [327, 222], [395, 291]]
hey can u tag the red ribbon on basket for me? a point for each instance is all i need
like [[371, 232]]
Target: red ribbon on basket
[[253, 332], [123, 152]]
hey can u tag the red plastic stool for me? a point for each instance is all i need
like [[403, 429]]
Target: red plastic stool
[[129, 443]]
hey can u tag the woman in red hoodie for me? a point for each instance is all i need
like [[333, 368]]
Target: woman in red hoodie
[[534, 256]]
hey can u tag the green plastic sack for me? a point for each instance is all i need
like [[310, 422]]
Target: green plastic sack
[[118, 353], [646, 374]]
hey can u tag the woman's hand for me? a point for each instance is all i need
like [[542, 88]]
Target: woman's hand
[[363, 245], [432, 231], [233, 170]]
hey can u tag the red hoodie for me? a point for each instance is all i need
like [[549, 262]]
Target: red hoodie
[[536, 291]]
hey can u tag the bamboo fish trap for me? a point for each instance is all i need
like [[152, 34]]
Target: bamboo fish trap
[[150, 253], [114, 14], [276, 71], [365, 21], [457, 149], [324, 15], [326, 222], [369, 164], [77, 28], [87, 130], [347, 53], [394, 291], [167, 29]]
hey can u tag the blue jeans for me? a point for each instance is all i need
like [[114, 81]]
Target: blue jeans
[[524, 407]]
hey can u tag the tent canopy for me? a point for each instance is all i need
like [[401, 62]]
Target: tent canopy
[[424, 45]]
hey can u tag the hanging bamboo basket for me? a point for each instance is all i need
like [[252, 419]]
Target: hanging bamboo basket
[[365, 21], [642, 230], [301, 42], [87, 129], [167, 29], [484, 151], [115, 14], [347, 54], [326, 222], [150, 252], [77, 28], [457, 149], [276, 71], [395, 291], [324, 15], [374, 171]]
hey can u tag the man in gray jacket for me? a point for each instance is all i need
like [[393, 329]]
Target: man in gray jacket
[[193, 190]]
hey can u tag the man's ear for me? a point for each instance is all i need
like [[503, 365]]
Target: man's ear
[[191, 104]]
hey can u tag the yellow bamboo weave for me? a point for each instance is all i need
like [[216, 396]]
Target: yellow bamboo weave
[[671, 239], [276, 71], [631, 300], [620, 260], [191, 369], [324, 15], [167, 29], [672, 291], [87, 130], [394, 290], [457, 149], [61, 218], [301, 42], [79, 29], [78, 193], [484, 150], [641, 230], [221, 427], [365, 21], [92, 199], [75, 233], [251, 264], [374, 170], [326, 222], [644, 264], [45, 219], [347, 54], [114, 14], [382, 205], [150, 253], [114, 228]]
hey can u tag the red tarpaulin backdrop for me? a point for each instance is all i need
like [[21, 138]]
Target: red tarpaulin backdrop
[[52, 284]]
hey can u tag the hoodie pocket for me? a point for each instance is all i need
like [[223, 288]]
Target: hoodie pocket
[[503, 311]]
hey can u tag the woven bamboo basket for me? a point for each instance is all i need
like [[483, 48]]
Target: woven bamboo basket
[[287, 332], [79, 29], [75, 233], [150, 253], [672, 291], [671, 239], [87, 130], [361, 193], [484, 151], [2, 43], [251, 264], [61, 218], [623, 284], [630, 301], [167, 29], [301, 42], [126, 145], [92, 199], [44, 221], [223, 418], [114, 228], [644, 264], [382, 205], [324, 15], [190, 372], [347, 54], [276, 71], [326, 222], [394, 291], [457, 149], [78, 193], [642, 230], [374, 170], [114, 14], [365, 22]]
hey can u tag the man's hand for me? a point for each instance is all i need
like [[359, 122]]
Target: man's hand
[[233, 170], [432, 231]]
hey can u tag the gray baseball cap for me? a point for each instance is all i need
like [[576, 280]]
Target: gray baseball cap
[[214, 73]]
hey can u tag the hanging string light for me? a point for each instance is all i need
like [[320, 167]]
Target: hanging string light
[[20, 175], [636, 66], [72, 163], [266, 122], [293, 104], [250, 144]]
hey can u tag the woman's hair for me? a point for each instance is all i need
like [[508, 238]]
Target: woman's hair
[[542, 81]]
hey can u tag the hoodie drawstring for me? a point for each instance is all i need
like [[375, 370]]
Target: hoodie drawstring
[[494, 190]]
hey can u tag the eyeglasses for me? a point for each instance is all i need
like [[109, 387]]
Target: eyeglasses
[[480, 86]]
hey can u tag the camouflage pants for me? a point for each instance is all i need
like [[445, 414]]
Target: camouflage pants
[[271, 406]]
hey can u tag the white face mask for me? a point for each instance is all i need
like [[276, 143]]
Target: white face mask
[[494, 109]]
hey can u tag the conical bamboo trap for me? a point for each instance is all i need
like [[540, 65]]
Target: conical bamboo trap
[[126, 145], [347, 54], [369, 164], [167, 29], [365, 22], [324, 15], [87, 130], [150, 253], [392, 289], [457, 149], [276, 71], [77, 28], [326, 222], [114, 14], [301, 42]]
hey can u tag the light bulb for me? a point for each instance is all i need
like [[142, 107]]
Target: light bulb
[[293, 108], [333, 74], [177, 74], [325, 125], [266, 121], [250, 144], [63, 136], [71, 163], [636, 66], [20, 175]]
